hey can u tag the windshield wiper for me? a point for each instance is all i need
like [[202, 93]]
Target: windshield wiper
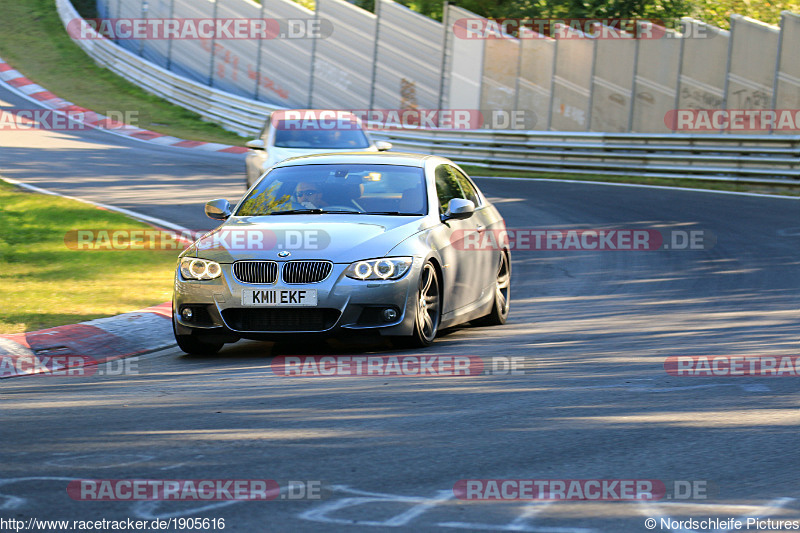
[[392, 213], [296, 211]]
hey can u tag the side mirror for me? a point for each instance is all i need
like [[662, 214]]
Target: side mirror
[[459, 208], [383, 146], [256, 144], [219, 209]]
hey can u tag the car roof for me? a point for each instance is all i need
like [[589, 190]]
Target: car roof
[[310, 114], [373, 158]]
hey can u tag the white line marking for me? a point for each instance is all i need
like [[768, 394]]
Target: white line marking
[[91, 460], [133, 214], [404, 518], [145, 510], [754, 387], [172, 467], [10, 480], [422, 504], [520, 522], [12, 502], [489, 527], [530, 511], [15, 502]]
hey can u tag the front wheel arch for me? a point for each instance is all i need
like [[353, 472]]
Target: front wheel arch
[[418, 338]]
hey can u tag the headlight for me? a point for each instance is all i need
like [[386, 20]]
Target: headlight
[[386, 268], [193, 268]]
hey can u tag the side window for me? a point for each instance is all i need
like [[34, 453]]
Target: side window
[[450, 183], [446, 186], [467, 188]]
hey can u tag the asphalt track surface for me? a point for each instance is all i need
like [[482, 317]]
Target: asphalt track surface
[[594, 329]]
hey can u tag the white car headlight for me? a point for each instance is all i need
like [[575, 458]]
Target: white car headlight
[[194, 268], [377, 269]]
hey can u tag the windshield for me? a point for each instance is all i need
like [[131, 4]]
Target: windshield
[[355, 188], [319, 139]]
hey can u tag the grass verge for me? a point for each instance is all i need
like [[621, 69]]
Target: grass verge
[[783, 190], [44, 283], [33, 41]]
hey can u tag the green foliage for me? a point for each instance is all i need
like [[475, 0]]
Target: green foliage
[[718, 12], [715, 12], [666, 10], [86, 8]]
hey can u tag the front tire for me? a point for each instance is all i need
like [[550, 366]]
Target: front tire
[[427, 310], [193, 345]]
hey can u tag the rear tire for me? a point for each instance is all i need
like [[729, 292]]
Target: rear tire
[[502, 295], [427, 310], [193, 344]]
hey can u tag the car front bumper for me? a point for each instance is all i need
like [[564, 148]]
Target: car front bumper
[[344, 306]]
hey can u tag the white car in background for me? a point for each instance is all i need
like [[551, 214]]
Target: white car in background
[[298, 132]]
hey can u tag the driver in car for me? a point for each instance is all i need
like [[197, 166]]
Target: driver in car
[[309, 195]]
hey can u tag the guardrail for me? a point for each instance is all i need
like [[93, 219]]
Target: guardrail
[[234, 113], [744, 158], [726, 157]]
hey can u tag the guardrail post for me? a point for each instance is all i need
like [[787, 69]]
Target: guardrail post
[[313, 57], [119, 12], [728, 69], [213, 46], [445, 41], [169, 42], [520, 49], [684, 25], [591, 87], [552, 85], [375, 53], [633, 82], [258, 54], [145, 7], [777, 67]]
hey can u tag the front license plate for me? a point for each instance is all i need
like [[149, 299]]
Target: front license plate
[[279, 297]]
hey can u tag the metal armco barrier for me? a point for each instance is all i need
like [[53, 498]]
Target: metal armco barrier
[[234, 113], [745, 158], [726, 157]]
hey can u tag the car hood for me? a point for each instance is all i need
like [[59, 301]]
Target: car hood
[[338, 238]]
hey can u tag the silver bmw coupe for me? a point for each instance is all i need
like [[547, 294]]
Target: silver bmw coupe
[[391, 244]]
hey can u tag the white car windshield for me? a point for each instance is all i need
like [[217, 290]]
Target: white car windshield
[[319, 139], [347, 188]]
